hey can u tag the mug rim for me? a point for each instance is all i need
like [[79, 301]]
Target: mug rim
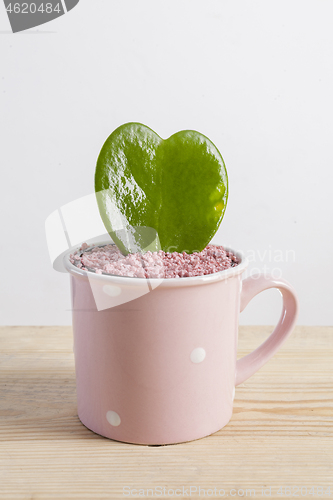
[[170, 282]]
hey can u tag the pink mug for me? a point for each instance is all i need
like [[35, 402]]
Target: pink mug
[[155, 360]]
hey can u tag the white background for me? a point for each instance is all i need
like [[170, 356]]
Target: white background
[[256, 77]]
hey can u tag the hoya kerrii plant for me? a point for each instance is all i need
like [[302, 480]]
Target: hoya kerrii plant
[[155, 193]]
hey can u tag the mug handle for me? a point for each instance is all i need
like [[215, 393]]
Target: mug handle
[[249, 364]]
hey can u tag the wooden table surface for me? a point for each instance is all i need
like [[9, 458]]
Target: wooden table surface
[[280, 434]]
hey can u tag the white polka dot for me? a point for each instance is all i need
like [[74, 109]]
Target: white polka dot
[[112, 290], [113, 418], [198, 355]]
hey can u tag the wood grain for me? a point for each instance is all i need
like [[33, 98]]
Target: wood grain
[[280, 433]]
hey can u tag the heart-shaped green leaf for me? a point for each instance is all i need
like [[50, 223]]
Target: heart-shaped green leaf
[[177, 186]]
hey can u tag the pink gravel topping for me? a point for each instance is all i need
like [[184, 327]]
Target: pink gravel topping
[[108, 259]]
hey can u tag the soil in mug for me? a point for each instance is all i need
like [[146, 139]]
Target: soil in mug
[[108, 259]]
